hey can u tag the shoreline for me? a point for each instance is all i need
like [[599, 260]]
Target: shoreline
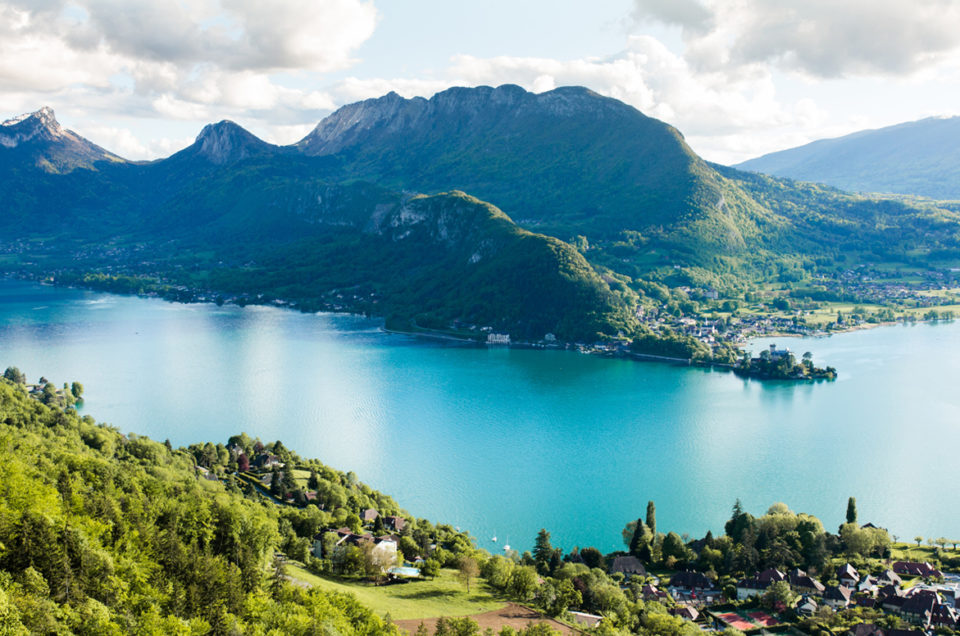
[[201, 298], [204, 297]]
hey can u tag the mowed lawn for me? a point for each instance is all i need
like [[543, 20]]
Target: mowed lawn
[[443, 596]]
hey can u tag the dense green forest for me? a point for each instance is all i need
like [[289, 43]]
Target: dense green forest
[[107, 533]]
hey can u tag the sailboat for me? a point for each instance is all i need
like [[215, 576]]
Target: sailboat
[[494, 539]]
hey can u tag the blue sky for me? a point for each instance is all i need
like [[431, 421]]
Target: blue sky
[[738, 77]]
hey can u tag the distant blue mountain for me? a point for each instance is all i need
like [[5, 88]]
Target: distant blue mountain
[[919, 157]]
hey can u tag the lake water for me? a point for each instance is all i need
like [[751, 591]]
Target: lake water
[[504, 442]]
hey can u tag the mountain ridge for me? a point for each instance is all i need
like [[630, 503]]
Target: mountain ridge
[[918, 158]]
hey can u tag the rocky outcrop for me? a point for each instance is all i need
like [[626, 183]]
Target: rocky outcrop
[[226, 142]]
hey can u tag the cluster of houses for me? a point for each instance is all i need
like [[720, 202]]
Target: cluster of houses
[[922, 605], [927, 606], [870, 285], [385, 545]]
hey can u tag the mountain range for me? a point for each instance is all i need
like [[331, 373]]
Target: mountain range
[[527, 213], [915, 158]]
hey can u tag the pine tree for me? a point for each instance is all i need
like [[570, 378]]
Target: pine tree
[[289, 483], [542, 551], [652, 517], [276, 488], [278, 577], [638, 540]]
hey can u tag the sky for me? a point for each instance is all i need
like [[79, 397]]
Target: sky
[[739, 78]]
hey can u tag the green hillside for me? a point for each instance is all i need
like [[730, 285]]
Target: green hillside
[[106, 533], [428, 261]]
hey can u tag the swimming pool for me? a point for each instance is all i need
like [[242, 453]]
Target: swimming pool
[[404, 571]]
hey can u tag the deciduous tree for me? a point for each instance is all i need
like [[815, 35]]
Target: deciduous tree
[[467, 571]]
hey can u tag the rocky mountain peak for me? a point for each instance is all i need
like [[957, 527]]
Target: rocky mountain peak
[[17, 130], [227, 141]]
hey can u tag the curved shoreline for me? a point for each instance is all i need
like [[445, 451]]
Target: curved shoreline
[[203, 297]]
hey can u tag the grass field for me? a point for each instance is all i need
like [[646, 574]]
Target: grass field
[[910, 552], [443, 596]]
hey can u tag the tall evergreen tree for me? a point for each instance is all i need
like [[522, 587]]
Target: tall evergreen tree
[[652, 517], [542, 551], [276, 488], [737, 509], [639, 539], [289, 482], [852, 510]]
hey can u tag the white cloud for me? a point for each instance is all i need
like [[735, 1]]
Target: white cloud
[[313, 35], [823, 38], [120, 141], [691, 15], [164, 147], [173, 108], [179, 64], [179, 58], [299, 34], [285, 135]]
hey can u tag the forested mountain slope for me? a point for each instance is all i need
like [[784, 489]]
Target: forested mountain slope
[[919, 158], [106, 533]]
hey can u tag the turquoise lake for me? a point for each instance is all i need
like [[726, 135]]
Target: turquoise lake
[[504, 442]]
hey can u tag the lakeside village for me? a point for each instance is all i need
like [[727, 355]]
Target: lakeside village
[[778, 573]]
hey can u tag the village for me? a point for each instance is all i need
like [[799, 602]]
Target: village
[[876, 597]]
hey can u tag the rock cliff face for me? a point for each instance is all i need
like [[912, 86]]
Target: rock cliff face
[[466, 107], [42, 124], [40, 138], [226, 142]]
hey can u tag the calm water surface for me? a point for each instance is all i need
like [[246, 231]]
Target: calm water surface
[[505, 442]]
